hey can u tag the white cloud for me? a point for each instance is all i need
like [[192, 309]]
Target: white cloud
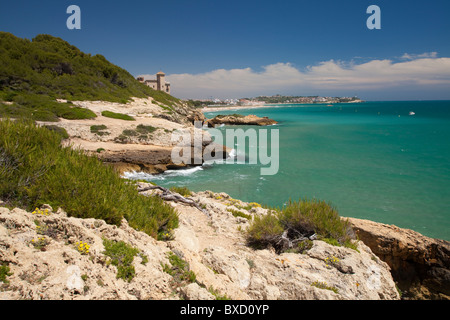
[[419, 71], [431, 55]]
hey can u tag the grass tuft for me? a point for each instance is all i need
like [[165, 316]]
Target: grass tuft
[[300, 219]]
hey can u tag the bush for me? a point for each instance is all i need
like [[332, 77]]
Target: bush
[[129, 133], [300, 220], [179, 270], [237, 213], [4, 272], [115, 115], [314, 216], [35, 169], [122, 256], [143, 129], [324, 285], [264, 231], [99, 130], [59, 130], [42, 108], [75, 113]]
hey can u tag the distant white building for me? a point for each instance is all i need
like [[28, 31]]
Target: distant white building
[[158, 84]]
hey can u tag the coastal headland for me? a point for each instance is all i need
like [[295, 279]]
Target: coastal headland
[[72, 228], [214, 240]]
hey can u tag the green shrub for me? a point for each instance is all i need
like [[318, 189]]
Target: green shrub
[[264, 231], [300, 219], [315, 216], [217, 294], [143, 129], [129, 133], [4, 272], [324, 285], [99, 130], [59, 130], [116, 115], [35, 169], [122, 256], [75, 113], [41, 107], [179, 270], [237, 213], [301, 247]]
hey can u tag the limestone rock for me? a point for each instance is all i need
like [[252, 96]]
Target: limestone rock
[[194, 292], [212, 245], [420, 265], [240, 120]]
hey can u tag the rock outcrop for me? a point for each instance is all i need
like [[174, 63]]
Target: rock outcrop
[[212, 245], [419, 264], [236, 119]]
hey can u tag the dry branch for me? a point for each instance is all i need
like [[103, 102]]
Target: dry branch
[[173, 196]]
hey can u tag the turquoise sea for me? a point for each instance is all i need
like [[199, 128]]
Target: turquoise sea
[[371, 160]]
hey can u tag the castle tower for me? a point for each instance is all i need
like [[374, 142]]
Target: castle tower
[[161, 81], [158, 84]]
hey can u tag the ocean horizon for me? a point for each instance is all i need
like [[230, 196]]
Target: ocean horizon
[[386, 161]]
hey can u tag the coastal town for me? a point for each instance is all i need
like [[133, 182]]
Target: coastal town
[[160, 84], [275, 99]]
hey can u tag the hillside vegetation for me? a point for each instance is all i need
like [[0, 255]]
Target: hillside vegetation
[[34, 73], [35, 169]]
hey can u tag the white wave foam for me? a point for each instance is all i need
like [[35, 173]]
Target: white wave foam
[[182, 172], [133, 175]]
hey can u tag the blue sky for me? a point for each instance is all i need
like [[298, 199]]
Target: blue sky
[[236, 48]]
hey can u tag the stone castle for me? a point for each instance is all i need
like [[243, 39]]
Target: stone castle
[[158, 84]]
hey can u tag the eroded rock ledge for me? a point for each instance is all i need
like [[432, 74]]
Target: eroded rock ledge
[[212, 245], [420, 265], [237, 119]]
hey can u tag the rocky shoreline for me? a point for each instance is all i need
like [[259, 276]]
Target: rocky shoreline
[[236, 119], [211, 245], [418, 264]]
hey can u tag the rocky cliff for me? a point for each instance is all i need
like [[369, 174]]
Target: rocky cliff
[[420, 265], [43, 255]]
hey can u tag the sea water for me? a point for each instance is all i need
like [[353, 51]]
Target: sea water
[[384, 161]]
